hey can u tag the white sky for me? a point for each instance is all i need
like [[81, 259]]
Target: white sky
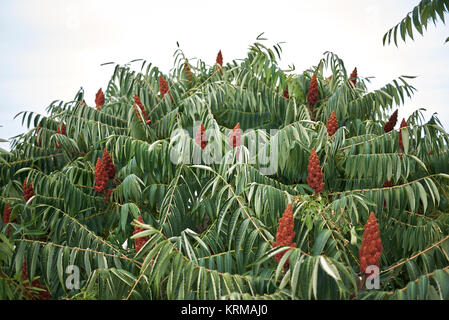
[[49, 48]]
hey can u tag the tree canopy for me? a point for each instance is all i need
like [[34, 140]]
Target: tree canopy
[[124, 189]]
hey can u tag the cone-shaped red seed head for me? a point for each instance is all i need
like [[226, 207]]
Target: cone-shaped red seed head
[[371, 249], [139, 103], [235, 137], [389, 125], [220, 58], [332, 124], [99, 99], [286, 95], [163, 87], [312, 94], [139, 242], [6, 214], [201, 138], [315, 176], [353, 77], [403, 125], [108, 164], [285, 233], [28, 190], [101, 177]]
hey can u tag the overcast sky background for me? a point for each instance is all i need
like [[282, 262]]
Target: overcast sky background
[[51, 48]]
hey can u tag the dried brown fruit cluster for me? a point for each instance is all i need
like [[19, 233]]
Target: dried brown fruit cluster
[[41, 295], [201, 138], [219, 58], [219, 61], [389, 125], [286, 95], [315, 176], [138, 103], [139, 242], [163, 87], [403, 125], [6, 214], [353, 77], [105, 170], [371, 249], [99, 99], [332, 124], [285, 233], [28, 190]]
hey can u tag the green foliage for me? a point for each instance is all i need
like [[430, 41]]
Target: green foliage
[[426, 11], [210, 227]]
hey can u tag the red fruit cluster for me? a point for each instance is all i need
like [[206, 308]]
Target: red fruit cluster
[[315, 176], [99, 99], [220, 61], [188, 71], [101, 177], [138, 103], [285, 233], [220, 58], [403, 125], [6, 213], [332, 124], [139, 242], [312, 94], [286, 95], [163, 87], [235, 138], [389, 125], [41, 295], [105, 170], [109, 166], [201, 138], [353, 77], [28, 190], [371, 249]]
